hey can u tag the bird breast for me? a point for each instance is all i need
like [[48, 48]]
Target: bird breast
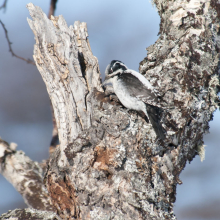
[[130, 102]]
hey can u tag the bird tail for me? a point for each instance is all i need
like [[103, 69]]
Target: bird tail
[[154, 114]]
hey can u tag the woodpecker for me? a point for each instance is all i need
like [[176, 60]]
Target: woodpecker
[[135, 92]]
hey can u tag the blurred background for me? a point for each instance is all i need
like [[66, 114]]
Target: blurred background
[[117, 30]]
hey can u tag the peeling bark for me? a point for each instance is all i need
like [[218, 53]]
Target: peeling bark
[[109, 164]]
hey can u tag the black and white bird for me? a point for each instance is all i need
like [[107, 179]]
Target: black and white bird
[[135, 92]]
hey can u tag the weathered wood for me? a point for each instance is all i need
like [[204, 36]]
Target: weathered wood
[[25, 175], [109, 164]]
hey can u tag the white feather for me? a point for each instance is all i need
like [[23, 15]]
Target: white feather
[[125, 98]]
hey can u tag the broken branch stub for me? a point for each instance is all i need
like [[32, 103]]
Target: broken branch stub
[[68, 68]]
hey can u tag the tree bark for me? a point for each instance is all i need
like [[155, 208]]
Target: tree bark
[[25, 175], [110, 164]]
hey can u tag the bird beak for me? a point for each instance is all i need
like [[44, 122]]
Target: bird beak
[[107, 77], [106, 81]]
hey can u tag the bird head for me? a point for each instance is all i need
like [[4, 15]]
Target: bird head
[[113, 69]]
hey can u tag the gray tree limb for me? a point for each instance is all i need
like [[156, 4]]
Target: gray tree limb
[[25, 175], [109, 164]]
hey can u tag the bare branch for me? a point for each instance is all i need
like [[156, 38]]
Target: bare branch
[[52, 8], [4, 5], [10, 48], [25, 175]]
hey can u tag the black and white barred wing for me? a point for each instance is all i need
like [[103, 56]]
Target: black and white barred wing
[[138, 86]]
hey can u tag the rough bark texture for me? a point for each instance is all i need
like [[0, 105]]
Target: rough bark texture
[[27, 214], [25, 175], [109, 164]]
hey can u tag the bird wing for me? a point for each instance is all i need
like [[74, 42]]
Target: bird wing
[[137, 87]]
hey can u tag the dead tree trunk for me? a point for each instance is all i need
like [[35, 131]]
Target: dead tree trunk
[[109, 164]]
